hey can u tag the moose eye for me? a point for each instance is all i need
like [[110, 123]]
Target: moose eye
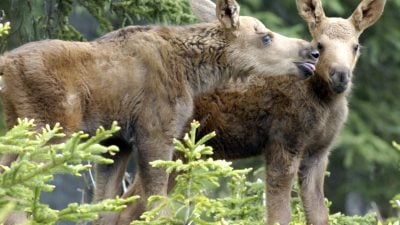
[[356, 47], [267, 40], [320, 47]]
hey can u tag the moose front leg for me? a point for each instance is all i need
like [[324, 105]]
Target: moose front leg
[[311, 178], [282, 167]]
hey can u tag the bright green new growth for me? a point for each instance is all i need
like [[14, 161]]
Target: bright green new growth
[[190, 202], [22, 183], [4, 28]]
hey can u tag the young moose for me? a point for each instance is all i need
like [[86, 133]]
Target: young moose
[[292, 123], [146, 79]]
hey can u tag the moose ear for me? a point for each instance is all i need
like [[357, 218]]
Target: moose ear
[[367, 13], [311, 11], [204, 10], [228, 13]]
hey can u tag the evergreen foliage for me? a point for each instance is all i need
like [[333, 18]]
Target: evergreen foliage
[[43, 19], [190, 201], [4, 29], [22, 183]]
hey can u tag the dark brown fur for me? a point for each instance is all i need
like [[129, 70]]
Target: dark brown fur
[[143, 77], [292, 123]]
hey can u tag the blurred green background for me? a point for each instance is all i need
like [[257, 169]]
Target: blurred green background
[[363, 167]]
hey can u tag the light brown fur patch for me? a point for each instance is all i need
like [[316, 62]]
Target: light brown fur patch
[[338, 30]]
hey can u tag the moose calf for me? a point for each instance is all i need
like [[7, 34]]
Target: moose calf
[[146, 79], [292, 123]]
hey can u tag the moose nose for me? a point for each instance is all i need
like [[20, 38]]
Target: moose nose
[[314, 54], [340, 74], [340, 77], [309, 54]]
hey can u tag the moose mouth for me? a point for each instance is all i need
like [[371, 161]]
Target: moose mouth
[[307, 68]]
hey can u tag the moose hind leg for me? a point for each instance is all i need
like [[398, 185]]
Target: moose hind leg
[[109, 178], [149, 180]]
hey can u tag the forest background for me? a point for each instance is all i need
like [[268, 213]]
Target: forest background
[[364, 171]]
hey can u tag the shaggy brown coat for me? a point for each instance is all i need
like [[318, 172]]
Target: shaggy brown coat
[[292, 123], [146, 79]]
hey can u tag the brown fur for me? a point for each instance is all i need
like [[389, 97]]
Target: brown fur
[[291, 123], [146, 79]]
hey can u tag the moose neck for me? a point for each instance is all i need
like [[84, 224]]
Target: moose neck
[[201, 50]]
